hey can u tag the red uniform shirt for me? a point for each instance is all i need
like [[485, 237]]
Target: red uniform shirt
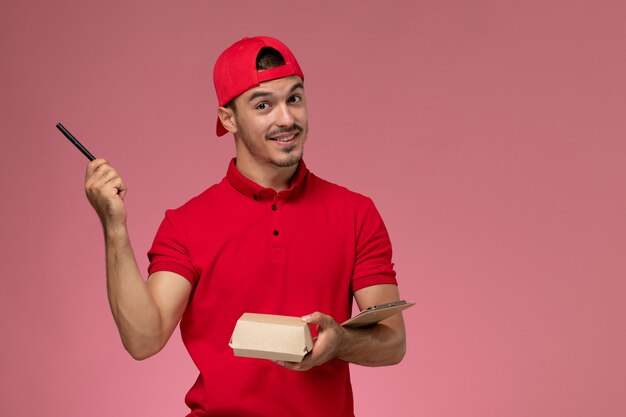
[[245, 248]]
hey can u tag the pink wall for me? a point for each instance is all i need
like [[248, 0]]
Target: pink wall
[[490, 134]]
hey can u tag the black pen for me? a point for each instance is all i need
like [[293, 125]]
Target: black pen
[[75, 142]]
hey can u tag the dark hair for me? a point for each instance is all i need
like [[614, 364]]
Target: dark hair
[[266, 59], [269, 58]]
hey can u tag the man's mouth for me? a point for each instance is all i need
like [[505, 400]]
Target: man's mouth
[[285, 137]]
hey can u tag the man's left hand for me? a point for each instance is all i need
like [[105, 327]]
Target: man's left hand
[[330, 337]]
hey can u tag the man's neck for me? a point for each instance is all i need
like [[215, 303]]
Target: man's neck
[[267, 176]]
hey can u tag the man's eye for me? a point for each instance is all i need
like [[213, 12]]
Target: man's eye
[[262, 106], [295, 99]]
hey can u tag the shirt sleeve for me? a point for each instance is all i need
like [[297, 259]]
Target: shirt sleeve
[[169, 251], [373, 264]]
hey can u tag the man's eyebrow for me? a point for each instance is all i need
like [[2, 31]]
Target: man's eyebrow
[[295, 87], [258, 94]]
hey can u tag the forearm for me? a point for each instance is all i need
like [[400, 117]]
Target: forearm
[[378, 345], [134, 309]]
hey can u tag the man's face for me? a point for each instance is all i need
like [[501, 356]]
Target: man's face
[[271, 123]]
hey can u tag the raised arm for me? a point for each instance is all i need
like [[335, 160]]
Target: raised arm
[[146, 313], [378, 345]]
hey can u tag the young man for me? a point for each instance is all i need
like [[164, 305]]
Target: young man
[[271, 238]]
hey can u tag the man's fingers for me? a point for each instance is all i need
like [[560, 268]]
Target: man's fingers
[[121, 187], [116, 182], [103, 180], [102, 174], [100, 171], [105, 191], [305, 365], [317, 318], [93, 166], [106, 174]]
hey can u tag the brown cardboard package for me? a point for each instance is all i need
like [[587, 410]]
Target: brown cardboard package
[[268, 336]]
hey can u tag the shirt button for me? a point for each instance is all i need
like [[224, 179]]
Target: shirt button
[[274, 207], [275, 232], [256, 197]]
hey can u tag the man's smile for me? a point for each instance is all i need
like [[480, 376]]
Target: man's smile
[[285, 137]]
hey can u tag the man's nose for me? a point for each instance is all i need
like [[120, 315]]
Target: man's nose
[[284, 117]]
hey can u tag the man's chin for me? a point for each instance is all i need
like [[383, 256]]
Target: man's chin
[[288, 160]]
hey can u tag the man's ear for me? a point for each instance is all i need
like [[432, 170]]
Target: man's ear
[[227, 117]]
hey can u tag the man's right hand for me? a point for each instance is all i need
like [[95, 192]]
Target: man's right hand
[[105, 191]]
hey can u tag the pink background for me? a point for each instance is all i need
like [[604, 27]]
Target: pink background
[[489, 133]]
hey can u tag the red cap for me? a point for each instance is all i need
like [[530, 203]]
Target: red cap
[[235, 70]]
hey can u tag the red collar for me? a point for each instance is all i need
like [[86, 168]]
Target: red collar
[[253, 190]]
